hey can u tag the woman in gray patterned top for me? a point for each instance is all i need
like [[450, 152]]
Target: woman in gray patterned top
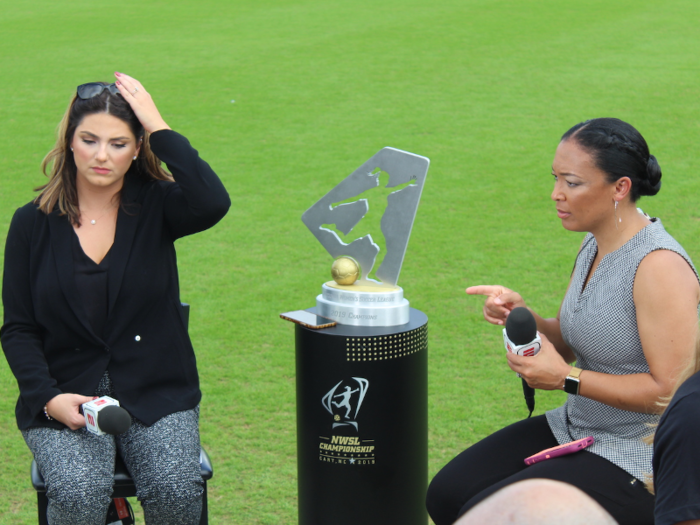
[[628, 321]]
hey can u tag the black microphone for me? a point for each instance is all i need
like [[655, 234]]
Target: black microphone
[[105, 416], [520, 337], [113, 420]]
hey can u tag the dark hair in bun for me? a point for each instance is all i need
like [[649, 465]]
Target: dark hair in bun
[[619, 150]]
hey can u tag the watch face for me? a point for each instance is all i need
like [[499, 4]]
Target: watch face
[[571, 386]]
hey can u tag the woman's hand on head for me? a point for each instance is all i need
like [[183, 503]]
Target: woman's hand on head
[[141, 102], [546, 371], [66, 409], [499, 301]]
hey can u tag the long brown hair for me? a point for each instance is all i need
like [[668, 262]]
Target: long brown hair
[[61, 189]]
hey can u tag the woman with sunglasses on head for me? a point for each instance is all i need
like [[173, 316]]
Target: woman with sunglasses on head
[[627, 321], [92, 306]]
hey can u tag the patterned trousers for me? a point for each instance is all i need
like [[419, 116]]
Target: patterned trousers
[[163, 459]]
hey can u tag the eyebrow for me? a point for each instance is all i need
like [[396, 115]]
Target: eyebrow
[[83, 132], [566, 174]]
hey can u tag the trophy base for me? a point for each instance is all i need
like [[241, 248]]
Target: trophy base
[[363, 304]]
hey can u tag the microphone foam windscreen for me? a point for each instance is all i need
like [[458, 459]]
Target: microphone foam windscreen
[[113, 420], [521, 326]]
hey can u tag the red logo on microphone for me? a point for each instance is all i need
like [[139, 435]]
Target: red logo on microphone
[[529, 351]]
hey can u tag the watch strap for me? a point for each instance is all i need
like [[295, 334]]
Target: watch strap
[[572, 382]]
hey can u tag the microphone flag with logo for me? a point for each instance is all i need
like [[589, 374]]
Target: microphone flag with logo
[[104, 416]]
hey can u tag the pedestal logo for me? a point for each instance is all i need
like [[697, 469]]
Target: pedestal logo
[[345, 446], [344, 403]]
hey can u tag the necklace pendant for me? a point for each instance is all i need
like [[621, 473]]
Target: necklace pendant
[[93, 222]]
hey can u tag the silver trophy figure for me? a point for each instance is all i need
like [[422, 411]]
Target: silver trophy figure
[[389, 184]]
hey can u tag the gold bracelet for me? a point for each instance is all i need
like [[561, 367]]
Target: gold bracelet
[[46, 412]]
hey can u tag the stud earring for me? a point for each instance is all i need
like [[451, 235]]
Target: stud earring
[[135, 157], [71, 148]]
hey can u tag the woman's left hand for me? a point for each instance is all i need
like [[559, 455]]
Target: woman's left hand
[[546, 371], [141, 102]]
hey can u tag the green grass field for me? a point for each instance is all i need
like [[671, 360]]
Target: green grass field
[[285, 99]]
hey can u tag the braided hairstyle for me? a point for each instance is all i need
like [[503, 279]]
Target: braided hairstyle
[[619, 150]]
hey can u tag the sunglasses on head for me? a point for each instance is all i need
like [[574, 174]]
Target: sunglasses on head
[[93, 89]]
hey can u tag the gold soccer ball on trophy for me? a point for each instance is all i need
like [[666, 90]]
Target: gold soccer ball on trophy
[[345, 270]]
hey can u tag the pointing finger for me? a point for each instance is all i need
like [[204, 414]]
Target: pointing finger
[[484, 289]]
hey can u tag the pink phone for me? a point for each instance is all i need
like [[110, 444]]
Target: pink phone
[[561, 450]]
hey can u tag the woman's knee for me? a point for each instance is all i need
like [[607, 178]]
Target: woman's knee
[[77, 468], [84, 484], [171, 482], [444, 498], [172, 500], [71, 491], [78, 500]]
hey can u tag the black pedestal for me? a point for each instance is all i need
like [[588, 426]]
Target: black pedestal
[[362, 424]]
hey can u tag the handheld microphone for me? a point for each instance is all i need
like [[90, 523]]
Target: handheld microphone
[[104, 416], [520, 337]]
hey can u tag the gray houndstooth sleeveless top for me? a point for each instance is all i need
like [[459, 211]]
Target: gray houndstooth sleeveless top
[[599, 324]]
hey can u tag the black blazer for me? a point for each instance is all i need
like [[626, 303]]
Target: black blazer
[[46, 336]]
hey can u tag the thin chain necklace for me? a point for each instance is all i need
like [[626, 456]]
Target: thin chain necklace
[[94, 221]]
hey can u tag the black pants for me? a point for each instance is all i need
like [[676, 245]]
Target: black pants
[[497, 461]]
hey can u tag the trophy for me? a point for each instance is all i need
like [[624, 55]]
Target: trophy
[[365, 223], [362, 356]]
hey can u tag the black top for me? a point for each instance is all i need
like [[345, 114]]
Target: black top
[[91, 282], [47, 336], [677, 457]]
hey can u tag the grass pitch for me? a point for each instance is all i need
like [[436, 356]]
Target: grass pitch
[[285, 99]]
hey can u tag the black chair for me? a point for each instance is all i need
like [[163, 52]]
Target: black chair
[[123, 484]]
